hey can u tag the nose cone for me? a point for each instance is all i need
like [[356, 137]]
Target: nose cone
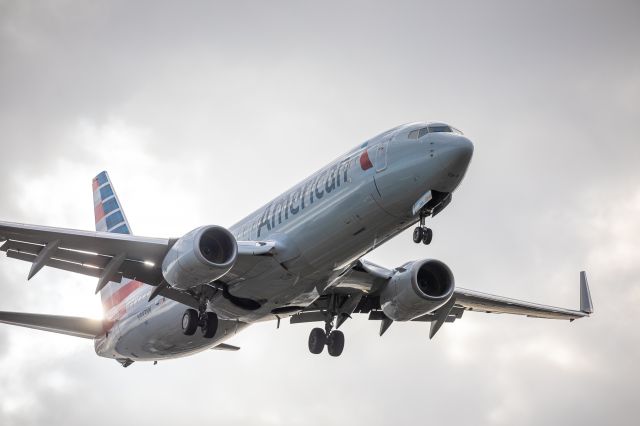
[[455, 155]]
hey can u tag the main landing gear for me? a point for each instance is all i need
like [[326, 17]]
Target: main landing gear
[[333, 340], [207, 321], [422, 234]]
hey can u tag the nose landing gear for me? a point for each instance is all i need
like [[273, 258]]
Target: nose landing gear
[[422, 234]]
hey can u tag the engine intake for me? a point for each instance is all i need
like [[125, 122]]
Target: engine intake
[[200, 257], [416, 289]]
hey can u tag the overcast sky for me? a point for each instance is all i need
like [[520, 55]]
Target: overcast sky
[[203, 111]]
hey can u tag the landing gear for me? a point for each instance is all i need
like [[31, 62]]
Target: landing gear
[[422, 234], [208, 324], [190, 322], [427, 236], [317, 340], [335, 343], [417, 234], [333, 340], [207, 321]]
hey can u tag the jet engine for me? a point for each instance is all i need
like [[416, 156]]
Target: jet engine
[[200, 257], [416, 289]]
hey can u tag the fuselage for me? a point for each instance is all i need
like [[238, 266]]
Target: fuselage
[[323, 225]]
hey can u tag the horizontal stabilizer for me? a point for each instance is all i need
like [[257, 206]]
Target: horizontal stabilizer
[[225, 347], [87, 328]]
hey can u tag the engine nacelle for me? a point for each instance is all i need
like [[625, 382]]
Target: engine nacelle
[[200, 257], [416, 289]]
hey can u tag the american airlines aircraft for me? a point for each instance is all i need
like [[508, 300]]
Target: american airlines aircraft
[[298, 257]]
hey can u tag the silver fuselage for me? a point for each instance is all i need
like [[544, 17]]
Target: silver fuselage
[[325, 223]]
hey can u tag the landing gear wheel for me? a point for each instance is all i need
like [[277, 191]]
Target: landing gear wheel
[[190, 322], [208, 324], [317, 340], [418, 234], [335, 343], [427, 236]]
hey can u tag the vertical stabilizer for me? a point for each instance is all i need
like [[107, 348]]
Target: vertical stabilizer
[[110, 217], [108, 211]]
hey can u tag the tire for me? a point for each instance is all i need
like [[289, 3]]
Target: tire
[[427, 237], [335, 343], [418, 235], [317, 340], [209, 325], [189, 322]]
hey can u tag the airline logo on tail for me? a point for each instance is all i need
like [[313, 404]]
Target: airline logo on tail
[[110, 217], [109, 214]]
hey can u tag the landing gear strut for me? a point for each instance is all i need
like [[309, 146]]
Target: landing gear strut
[[422, 234], [333, 340]]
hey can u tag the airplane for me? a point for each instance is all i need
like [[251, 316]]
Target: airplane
[[298, 257]]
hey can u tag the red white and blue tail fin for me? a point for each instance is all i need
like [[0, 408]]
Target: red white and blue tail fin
[[110, 217], [108, 211]]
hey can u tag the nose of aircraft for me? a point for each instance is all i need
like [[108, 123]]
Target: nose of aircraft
[[455, 155]]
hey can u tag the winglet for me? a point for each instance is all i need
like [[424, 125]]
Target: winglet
[[586, 305]]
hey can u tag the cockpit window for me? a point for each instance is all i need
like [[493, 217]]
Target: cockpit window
[[440, 129], [418, 133], [434, 128]]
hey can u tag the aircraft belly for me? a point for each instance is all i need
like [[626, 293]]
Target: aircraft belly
[[158, 335]]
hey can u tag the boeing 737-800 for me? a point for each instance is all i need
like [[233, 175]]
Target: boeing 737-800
[[298, 257]]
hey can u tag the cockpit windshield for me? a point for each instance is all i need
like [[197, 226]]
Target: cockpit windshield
[[439, 129], [433, 128]]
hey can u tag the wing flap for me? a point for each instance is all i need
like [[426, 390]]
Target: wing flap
[[87, 328], [86, 252], [58, 264], [83, 258]]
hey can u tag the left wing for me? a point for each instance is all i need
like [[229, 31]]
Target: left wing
[[86, 252], [87, 328], [364, 281], [111, 256]]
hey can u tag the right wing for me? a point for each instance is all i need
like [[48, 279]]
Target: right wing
[[489, 303], [357, 291]]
